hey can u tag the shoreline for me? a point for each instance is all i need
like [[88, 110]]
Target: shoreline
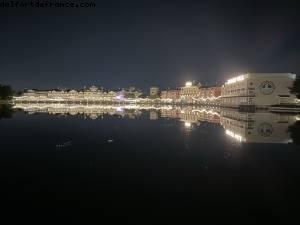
[[6, 102], [274, 108]]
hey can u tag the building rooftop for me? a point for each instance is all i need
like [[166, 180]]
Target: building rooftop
[[271, 75], [252, 75]]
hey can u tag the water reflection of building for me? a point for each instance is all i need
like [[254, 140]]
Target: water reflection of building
[[260, 127], [153, 115], [192, 115], [244, 127], [88, 111]]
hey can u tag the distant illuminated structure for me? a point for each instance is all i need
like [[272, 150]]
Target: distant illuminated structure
[[193, 94], [188, 84], [189, 91], [258, 90], [93, 94], [198, 94], [119, 97], [246, 91], [170, 95], [154, 92]]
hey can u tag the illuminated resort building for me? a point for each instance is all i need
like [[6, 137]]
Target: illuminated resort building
[[93, 94], [258, 90], [193, 93], [189, 92], [247, 91]]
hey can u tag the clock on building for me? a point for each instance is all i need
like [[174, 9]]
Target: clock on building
[[267, 87]]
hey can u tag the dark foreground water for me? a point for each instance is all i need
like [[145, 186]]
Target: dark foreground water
[[183, 166]]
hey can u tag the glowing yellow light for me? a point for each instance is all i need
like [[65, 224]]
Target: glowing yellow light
[[188, 84], [235, 79], [233, 135], [187, 124]]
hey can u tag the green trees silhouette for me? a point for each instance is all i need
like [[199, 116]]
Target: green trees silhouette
[[6, 92], [296, 87], [294, 131]]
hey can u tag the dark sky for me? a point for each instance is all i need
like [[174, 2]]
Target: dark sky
[[144, 43]]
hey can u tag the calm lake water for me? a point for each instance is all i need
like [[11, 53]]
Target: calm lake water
[[149, 165]]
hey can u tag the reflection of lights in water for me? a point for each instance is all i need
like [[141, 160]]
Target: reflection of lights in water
[[93, 116], [233, 135], [187, 124], [36, 106], [206, 111], [207, 99]]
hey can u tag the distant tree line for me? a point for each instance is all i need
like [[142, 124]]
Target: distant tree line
[[6, 92], [294, 131], [296, 87]]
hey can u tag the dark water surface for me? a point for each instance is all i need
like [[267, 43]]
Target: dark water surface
[[150, 167]]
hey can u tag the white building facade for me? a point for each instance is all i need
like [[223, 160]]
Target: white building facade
[[258, 90]]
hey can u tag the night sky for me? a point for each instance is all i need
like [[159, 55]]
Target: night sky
[[144, 43]]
